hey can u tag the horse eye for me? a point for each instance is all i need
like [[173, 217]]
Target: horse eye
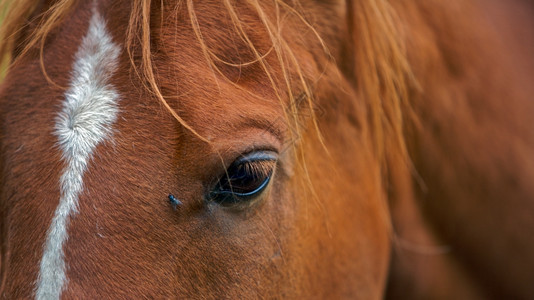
[[245, 179]]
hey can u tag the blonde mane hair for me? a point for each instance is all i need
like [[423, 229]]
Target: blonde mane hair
[[380, 71]]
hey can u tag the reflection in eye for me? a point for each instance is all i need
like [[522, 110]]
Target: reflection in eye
[[245, 179]]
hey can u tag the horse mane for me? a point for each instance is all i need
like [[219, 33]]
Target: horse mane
[[375, 59]]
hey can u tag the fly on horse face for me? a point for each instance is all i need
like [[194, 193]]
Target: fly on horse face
[[267, 149]]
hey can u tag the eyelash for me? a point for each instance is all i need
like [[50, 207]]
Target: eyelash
[[245, 179]]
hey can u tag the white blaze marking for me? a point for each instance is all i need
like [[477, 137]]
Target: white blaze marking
[[88, 112]]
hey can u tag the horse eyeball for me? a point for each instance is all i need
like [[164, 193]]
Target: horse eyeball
[[245, 179]]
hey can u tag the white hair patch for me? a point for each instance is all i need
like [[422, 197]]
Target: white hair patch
[[89, 110]]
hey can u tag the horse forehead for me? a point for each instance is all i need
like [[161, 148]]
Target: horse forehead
[[86, 119], [215, 93]]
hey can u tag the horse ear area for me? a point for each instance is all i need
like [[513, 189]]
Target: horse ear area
[[346, 32], [369, 31]]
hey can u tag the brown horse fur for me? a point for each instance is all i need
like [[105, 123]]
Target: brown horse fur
[[418, 186]]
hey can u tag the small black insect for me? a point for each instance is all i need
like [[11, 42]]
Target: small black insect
[[174, 202]]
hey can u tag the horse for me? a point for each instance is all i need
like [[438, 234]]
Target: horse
[[358, 149]]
